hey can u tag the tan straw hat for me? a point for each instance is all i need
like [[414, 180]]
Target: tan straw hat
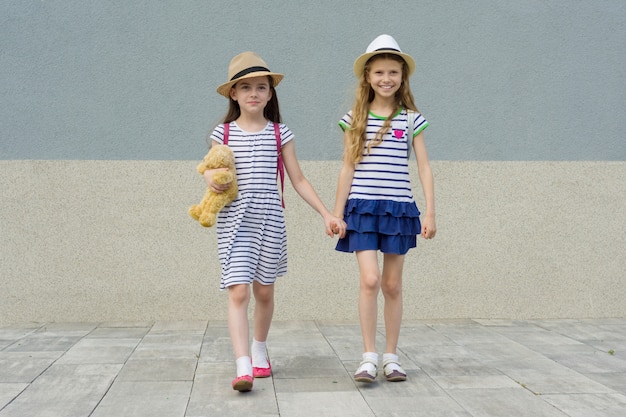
[[383, 44], [246, 65]]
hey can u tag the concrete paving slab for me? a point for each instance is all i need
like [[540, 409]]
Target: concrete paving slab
[[158, 370], [421, 384], [63, 390], [556, 380], [474, 381], [316, 384], [456, 368], [9, 391], [100, 350], [420, 406], [119, 332], [307, 366], [417, 406], [504, 402], [290, 342], [169, 345], [9, 334], [145, 399], [585, 405], [615, 380], [212, 395], [67, 329], [180, 326], [316, 404], [43, 342], [590, 362], [19, 368]]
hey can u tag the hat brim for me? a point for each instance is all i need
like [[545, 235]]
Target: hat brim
[[224, 89], [360, 62]]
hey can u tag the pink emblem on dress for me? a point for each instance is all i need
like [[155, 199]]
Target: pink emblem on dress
[[398, 133]]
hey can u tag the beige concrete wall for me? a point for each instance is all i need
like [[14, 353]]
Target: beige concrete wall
[[111, 240]]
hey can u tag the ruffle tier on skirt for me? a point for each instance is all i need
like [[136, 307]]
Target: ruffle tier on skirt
[[385, 225]]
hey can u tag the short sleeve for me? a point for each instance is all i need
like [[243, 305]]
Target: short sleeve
[[218, 134], [286, 135], [346, 121], [420, 124]]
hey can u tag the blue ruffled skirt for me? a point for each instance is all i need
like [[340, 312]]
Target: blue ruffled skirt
[[388, 226]]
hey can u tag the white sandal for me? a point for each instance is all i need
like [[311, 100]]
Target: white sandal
[[367, 372], [393, 371]]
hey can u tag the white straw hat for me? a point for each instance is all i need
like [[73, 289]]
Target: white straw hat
[[383, 44]]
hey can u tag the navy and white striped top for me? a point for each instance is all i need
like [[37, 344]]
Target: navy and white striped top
[[256, 156], [383, 174]]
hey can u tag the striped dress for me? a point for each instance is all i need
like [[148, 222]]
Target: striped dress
[[251, 233], [381, 213]]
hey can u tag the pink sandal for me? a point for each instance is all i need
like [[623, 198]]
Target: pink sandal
[[243, 383]]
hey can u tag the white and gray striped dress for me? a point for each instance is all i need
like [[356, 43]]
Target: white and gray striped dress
[[251, 233]]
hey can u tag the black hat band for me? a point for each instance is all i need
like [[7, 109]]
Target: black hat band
[[248, 71]]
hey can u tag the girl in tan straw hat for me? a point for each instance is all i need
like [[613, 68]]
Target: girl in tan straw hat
[[374, 193], [251, 234]]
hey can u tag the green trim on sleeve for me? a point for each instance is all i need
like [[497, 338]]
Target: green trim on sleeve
[[421, 129], [343, 126]]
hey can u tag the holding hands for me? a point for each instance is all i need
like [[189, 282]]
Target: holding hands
[[334, 226]]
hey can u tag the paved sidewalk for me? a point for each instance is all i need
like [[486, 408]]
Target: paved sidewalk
[[461, 368]]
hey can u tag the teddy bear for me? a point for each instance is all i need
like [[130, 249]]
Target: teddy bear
[[220, 156]]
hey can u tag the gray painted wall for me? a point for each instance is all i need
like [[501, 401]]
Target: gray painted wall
[[499, 80]]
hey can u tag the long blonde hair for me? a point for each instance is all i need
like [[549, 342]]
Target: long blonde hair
[[360, 109]]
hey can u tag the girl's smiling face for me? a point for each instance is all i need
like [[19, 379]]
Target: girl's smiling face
[[385, 77], [252, 94]]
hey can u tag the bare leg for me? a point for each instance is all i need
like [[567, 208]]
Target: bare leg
[[392, 291], [263, 310], [238, 299], [368, 297]]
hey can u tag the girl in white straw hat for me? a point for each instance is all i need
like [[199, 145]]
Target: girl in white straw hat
[[374, 193], [251, 234]]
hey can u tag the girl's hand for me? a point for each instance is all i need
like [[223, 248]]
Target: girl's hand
[[335, 226], [212, 185], [429, 229]]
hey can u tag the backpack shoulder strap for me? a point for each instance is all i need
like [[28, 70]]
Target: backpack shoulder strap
[[226, 131], [280, 168], [410, 119]]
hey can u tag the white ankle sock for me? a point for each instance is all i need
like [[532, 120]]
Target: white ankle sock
[[244, 366], [391, 357], [259, 354], [367, 365], [371, 355]]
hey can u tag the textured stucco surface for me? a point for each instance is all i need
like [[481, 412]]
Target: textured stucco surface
[[111, 240]]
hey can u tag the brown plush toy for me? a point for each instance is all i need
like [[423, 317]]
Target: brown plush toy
[[220, 156]]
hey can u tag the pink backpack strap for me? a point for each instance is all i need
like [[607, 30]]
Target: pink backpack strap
[[226, 131], [280, 167]]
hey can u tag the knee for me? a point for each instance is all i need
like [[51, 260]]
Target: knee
[[264, 294], [239, 294], [370, 282], [392, 288]]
